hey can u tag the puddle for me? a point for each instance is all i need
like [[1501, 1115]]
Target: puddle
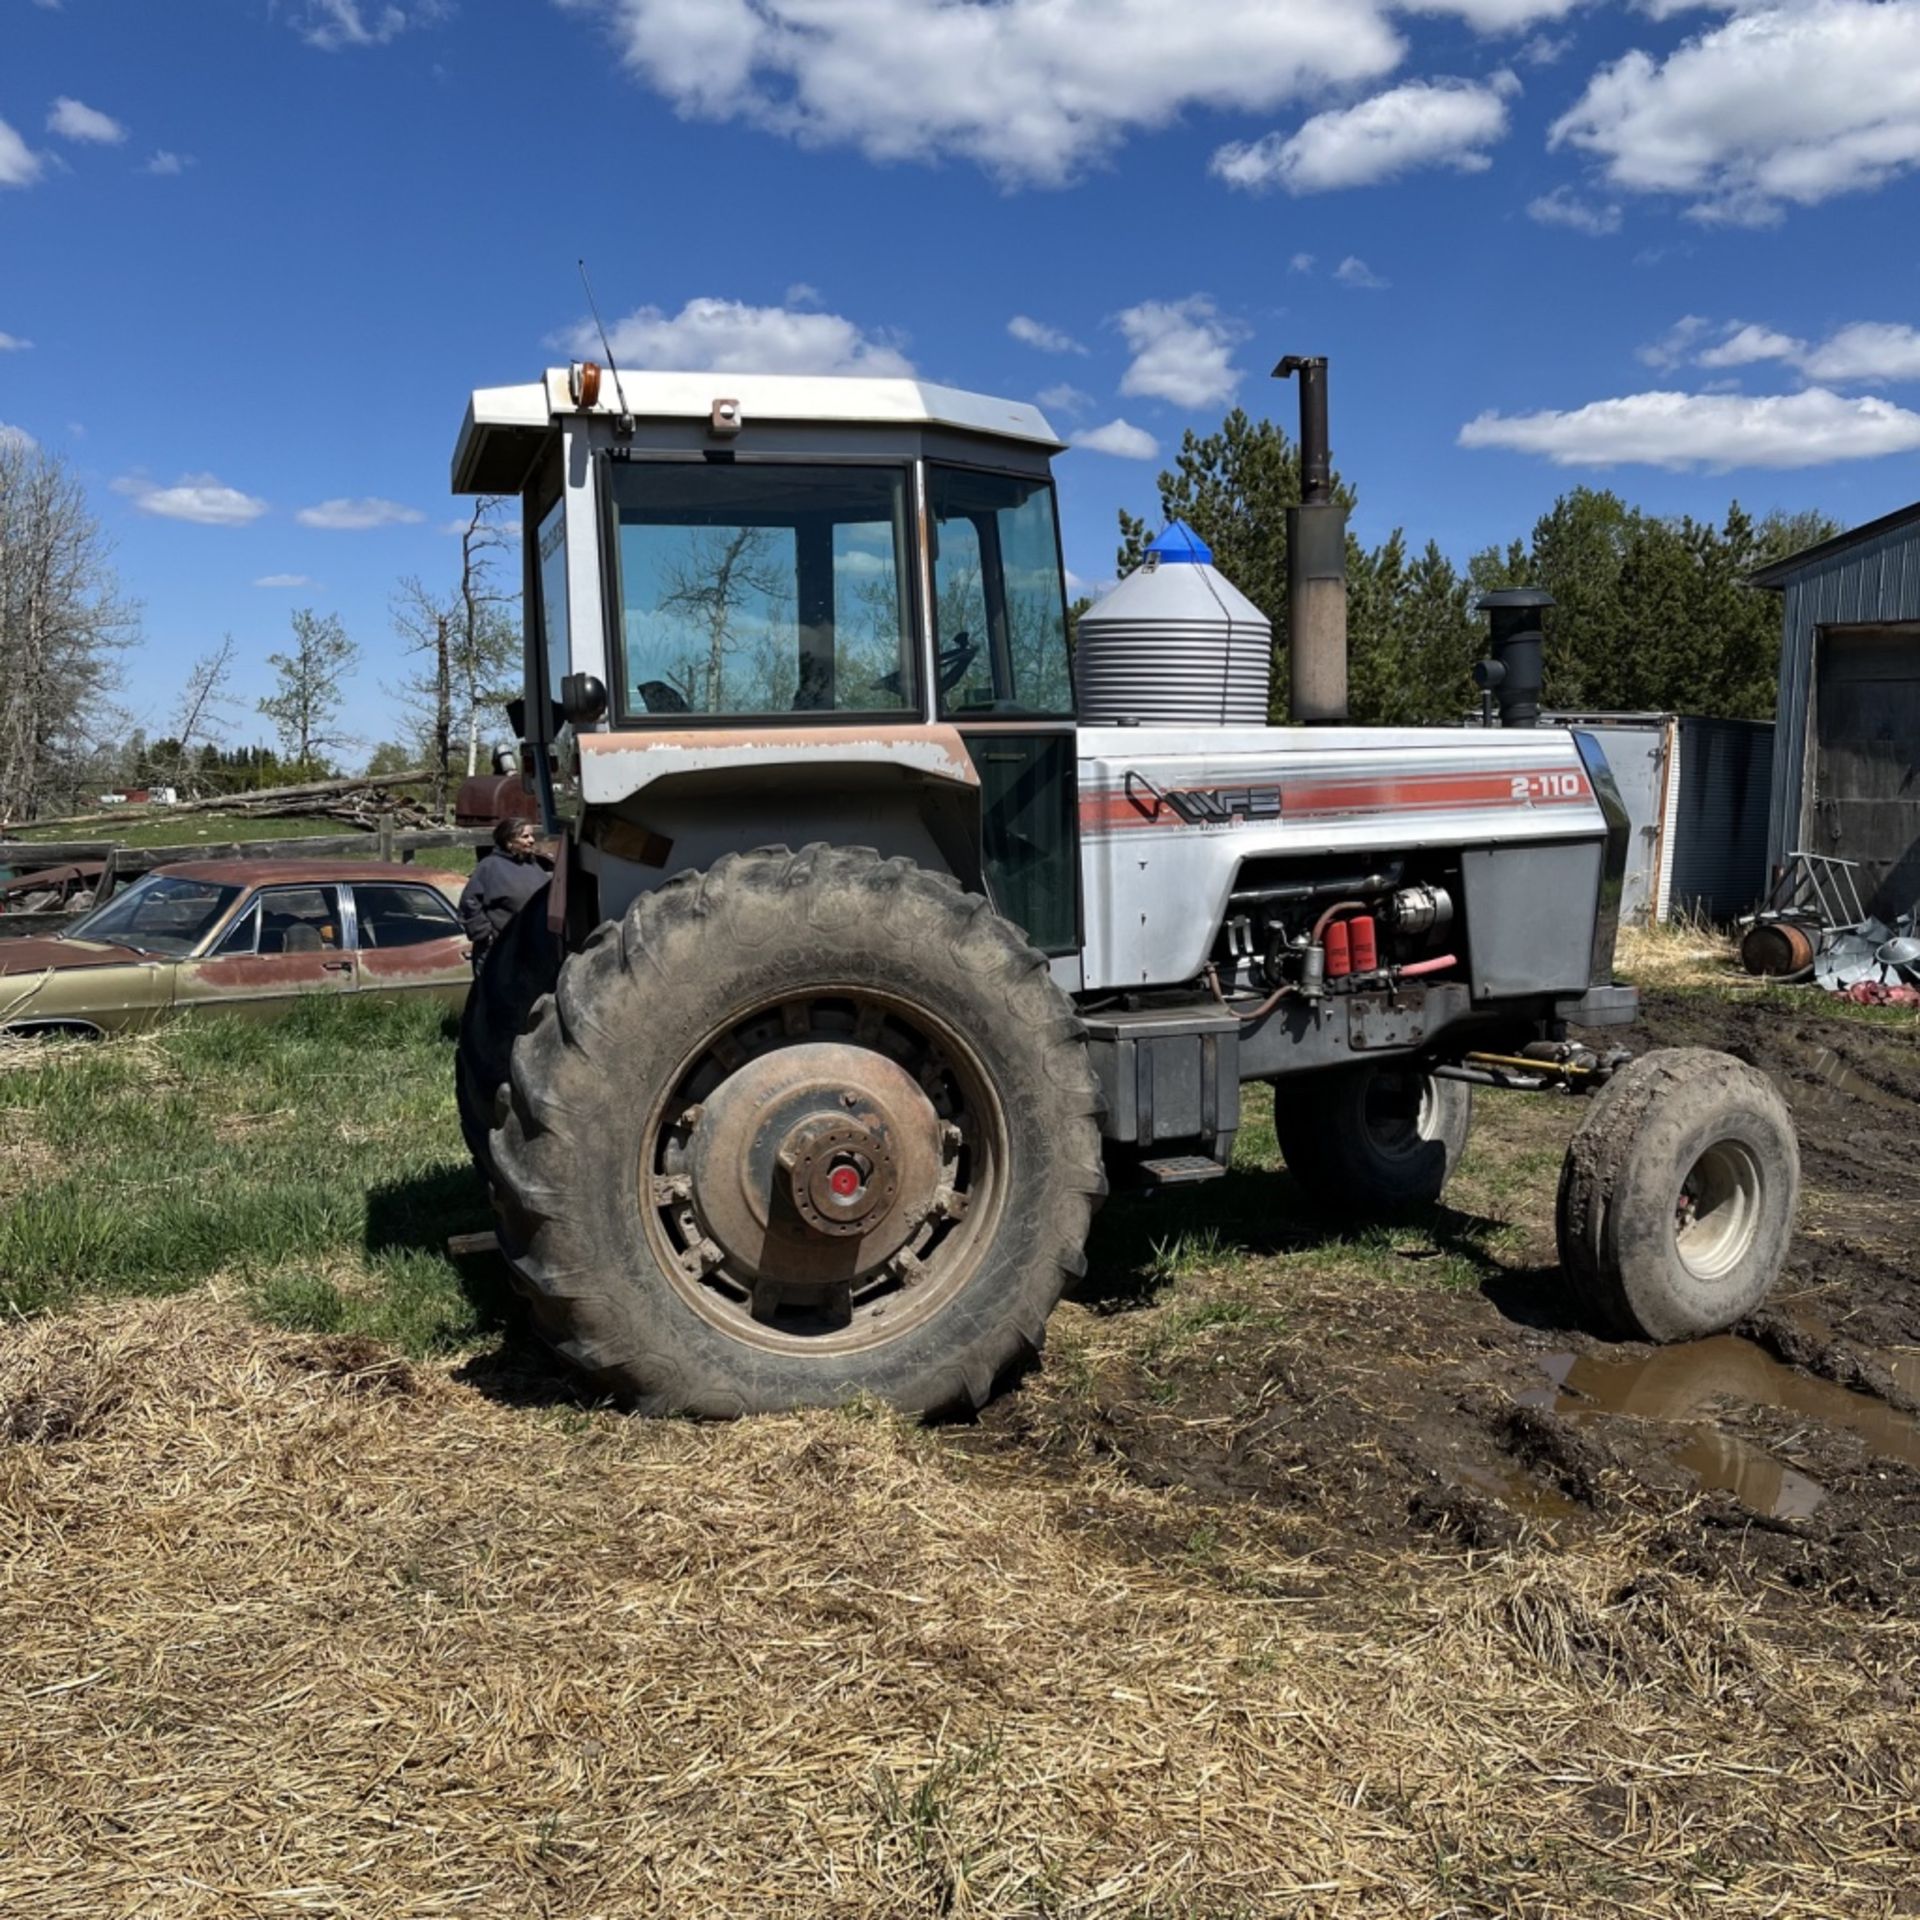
[[1905, 1368], [1517, 1490], [1829, 1084], [1685, 1385]]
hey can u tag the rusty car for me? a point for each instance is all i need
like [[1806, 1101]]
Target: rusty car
[[249, 937]]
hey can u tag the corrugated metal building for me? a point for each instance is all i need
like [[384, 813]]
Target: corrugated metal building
[[1846, 755], [1696, 791]]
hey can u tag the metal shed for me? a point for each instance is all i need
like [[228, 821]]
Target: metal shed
[[1696, 790], [1846, 758]]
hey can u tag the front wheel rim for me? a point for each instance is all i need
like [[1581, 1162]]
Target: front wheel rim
[[1716, 1214], [945, 1192]]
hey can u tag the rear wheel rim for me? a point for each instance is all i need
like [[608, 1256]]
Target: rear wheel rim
[[1400, 1114], [1717, 1212], [940, 1197]]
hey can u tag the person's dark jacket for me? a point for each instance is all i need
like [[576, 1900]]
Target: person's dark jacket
[[500, 887]]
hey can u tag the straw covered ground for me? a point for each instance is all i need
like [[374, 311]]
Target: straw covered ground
[[1287, 1587], [296, 1626]]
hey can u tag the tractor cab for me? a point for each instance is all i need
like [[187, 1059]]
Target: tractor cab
[[848, 591]]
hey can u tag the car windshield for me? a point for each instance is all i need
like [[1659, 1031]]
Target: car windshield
[[756, 589], [159, 913]]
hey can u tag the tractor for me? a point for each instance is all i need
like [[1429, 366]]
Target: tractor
[[869, 963]]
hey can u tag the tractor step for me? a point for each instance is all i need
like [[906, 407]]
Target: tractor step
[[1179, 1170]]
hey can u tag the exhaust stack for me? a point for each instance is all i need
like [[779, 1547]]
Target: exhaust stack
[[1316, 562], [1516, 672]]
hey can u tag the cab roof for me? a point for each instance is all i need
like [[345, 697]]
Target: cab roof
[[506, 426]]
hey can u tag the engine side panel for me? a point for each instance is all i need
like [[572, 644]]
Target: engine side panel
[[1168, 817]]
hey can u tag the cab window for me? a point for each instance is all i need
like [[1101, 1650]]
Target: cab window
[[300, 920], [1000, 595]]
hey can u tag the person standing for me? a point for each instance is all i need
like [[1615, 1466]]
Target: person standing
[[503, 881]]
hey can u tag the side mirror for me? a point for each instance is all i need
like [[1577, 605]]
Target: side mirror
[[583, 698]]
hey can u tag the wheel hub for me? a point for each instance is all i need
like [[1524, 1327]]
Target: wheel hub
[[814, 1164]]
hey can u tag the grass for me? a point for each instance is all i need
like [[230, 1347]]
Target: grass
[[313, 1166], [159, 827]]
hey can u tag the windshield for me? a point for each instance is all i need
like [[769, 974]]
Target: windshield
[[999, 593], [763, 588], [159, 913]]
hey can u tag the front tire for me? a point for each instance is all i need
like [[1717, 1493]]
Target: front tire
[[1677, 1196], [800, 1128], [1376, 1139]]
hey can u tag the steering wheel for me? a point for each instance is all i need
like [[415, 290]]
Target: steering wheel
[[948, 670]]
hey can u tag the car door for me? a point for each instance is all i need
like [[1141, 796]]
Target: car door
[[285, 945], [410, 940]]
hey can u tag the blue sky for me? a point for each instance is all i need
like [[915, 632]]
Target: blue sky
[[253, 256]]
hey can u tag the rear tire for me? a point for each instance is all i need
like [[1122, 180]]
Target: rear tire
[[669, 1102], [1376, 1139], [1677, 1196]]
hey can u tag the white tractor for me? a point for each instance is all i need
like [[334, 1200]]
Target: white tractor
[[866, 964]]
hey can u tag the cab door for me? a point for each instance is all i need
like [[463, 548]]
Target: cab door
[[288, 944]]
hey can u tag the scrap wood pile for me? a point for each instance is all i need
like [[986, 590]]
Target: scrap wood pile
[[1814, 926], [355, 800], [294, 1626]]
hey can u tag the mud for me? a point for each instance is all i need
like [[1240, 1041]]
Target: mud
[[1371, 1408]]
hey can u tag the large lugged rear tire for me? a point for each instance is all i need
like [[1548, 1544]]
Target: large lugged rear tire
[[523, 964], [1678, 1194], [1374, 1138], [803, 1127]]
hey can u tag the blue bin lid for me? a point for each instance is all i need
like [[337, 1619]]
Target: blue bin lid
[[1179, 543]]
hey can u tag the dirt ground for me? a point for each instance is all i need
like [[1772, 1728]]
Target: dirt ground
[[1784, 1459]]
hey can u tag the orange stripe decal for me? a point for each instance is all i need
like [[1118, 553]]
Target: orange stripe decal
[[1351, 796]]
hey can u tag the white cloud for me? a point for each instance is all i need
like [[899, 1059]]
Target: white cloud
[[1121, 439], [1032, 90], [19, 164], [1864, 351], [1788, 101], [1426, 123], [167, 164], [1182, 351], [1300, 263], [1544, 49], [357, 516], [16, 437], [198, 497], [332, 25], [283, 580], [1036, 333], [1676, 344], [1354, 272], [801, 294], [1564, 208], [1064, 398], [727, 336], [12, 343], [1867, 350], [1680, 430], [1744, 345], [1497, 16], [75, 120]]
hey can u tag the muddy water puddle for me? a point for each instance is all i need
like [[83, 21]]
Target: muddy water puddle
[[1689, 1387], [1828, 1083]]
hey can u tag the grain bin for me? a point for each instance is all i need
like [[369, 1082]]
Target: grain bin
[[1175, 644]]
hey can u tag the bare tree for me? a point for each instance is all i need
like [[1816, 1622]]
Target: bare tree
[[61, 622], [306, 707], [486, 642], [428, 626], [203, 707], [713, 585], [469, 642]]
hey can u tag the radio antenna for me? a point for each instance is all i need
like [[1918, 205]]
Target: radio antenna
[[624, 426]]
